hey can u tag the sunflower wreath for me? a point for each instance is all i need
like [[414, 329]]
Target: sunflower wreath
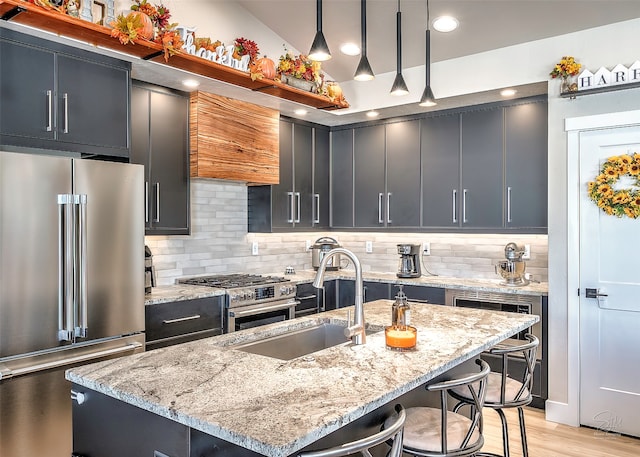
[[603, 191]]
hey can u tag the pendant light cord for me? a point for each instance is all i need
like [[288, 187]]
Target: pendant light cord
[[318, 15], [398, 40], [363, 26]]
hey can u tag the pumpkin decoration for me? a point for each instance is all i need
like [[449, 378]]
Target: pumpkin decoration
[[268, 67], [262, 68], [147, 31]]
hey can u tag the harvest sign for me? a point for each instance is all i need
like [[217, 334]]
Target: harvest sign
[[604, 77]]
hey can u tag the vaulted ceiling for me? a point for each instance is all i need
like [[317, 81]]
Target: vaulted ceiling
[[484, 25]]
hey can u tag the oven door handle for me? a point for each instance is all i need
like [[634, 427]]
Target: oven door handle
[[265, 309]]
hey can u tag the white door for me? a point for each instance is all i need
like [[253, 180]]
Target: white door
[[609, 266]]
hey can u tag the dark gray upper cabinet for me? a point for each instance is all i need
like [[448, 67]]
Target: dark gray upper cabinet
[[369, 177], [61, 98], [292, 197], [282, 194], [402, 200], [342, 178], [321, 169], [160, 142], [300, 200], [482, 161], [385, 176], [526, 165], [440, 145]]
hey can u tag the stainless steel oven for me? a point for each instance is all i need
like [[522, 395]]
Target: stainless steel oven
[[513, 303], [252, 300]]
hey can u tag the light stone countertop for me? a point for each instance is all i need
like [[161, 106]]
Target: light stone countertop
[[179, 292], [277, 407], [446, 282]]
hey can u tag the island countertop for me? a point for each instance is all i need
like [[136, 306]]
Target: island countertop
[[277, 407]]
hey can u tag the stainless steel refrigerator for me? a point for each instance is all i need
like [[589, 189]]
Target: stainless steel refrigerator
[[71, 287]]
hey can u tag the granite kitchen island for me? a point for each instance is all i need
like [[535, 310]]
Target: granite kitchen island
[[208, 397]]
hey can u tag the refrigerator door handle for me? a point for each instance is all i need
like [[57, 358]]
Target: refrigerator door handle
[[70, 360], [81, 259], [65, 267]]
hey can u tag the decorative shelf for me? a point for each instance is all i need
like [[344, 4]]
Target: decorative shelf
[[598, 90], [63, 25]]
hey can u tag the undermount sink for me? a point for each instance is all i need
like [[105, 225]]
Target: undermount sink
[[299, 342]]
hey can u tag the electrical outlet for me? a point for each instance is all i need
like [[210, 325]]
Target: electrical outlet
[[426, 248], [368, 247], [254, 248], [307, 245], [527, 252]]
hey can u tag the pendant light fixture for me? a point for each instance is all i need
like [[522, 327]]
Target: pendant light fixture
[[319, 49], [364, 71], [427, 98], [399, 86]]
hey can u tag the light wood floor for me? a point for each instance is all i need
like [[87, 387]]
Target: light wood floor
[[548, 439]]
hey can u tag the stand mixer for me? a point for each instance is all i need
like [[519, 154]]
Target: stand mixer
[[512, 269]]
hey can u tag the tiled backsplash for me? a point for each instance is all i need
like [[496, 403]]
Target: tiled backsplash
[[219, 243]]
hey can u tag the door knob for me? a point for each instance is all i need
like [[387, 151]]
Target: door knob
[[594, 293]]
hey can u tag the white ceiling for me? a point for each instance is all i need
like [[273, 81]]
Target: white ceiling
[[484, 25]]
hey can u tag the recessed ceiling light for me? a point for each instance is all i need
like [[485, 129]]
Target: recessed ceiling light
[[445, 23], [508, 92], [190, 83], [372, 113], [350, 49], [300, 112]]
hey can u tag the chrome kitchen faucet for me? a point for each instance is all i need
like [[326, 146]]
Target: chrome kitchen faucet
[[356, 331]]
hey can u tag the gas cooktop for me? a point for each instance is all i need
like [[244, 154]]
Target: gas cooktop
[[233, 280]]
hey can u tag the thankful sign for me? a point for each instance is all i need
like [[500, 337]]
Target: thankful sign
[[619, 75], [222, 54]]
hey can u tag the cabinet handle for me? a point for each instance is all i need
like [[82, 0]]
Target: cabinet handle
[[49, 111], [297, 221], [65, 97], [316, 219], [389, 207], [146, 201], [290, 208], [308, 297], [464, 206], [380, 220], [157, 218], [454, 200], [508, 204], [181, 319]]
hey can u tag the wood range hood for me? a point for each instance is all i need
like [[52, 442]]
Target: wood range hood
[[233, 140]]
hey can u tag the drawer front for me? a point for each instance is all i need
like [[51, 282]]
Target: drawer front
[[310, 300], [172, 319]]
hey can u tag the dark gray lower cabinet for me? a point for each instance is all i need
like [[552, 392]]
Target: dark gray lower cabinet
[[340, 293], [171, 323], [160, 142], [311, 300], [425, 294], [376, 291], [110, 428]]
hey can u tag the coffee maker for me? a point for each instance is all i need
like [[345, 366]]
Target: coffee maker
[[149, 271], [409, 265]]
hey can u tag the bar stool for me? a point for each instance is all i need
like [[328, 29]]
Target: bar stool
[[438, 432], [504, 391], [392, 433]]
